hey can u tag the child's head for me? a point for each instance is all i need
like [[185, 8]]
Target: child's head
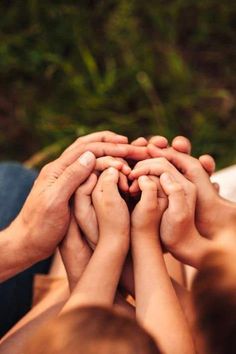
[[214, 294], [92, 330]]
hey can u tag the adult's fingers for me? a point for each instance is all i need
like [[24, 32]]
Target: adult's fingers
[[74, 175], [188, 165], [208, 163], [103, 136], [103, 149], [159, 141], [182, 144], [140, 142]]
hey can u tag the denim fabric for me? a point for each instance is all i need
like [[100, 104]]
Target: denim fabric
[[16, 293]]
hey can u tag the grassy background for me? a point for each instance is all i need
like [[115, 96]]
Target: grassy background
[[136, 67]]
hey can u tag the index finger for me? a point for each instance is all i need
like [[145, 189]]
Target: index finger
[[103, 136], [100, 149]]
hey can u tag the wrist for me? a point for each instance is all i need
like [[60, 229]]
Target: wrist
[[115, 244], [14, 256], [29, 252], [145, 235]]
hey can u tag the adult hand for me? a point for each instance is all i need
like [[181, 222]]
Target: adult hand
[[209, 204], [178, 231], [45, 216]]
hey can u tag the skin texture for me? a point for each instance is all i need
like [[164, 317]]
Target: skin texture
[[157, 306], [99, 281], [178, 232], [209, 204], [45, 217]]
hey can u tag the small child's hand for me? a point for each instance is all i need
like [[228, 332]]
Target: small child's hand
[[83, 208], [178, 232], [146, 216], [75, 253], [111, 210]]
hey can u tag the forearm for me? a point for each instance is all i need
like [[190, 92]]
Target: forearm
[[98, 284], [127, 276], [14, 251], [157, 306]]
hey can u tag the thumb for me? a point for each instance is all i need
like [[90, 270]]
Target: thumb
[[149, 192], [175, 193], [74, 175]]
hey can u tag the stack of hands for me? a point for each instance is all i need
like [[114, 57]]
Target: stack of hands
[[113, 208]]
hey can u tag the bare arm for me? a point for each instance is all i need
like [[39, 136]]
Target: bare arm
[[157, 305], [99, 281]]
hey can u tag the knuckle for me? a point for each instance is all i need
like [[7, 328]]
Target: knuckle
[[161, 160], [177, 188], [182, 217], [194, 167], [193, 189], [46, 170]]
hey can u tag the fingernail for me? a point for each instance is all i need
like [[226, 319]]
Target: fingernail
[[143, 179], [167, 177], [86, 158]]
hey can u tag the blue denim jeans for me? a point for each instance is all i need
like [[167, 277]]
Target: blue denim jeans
[[16, 293]]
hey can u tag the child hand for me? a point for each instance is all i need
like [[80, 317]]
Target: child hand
[[146, 216], [75, 253], [178, 232], [111, 210], [209, 204], [83, 208]]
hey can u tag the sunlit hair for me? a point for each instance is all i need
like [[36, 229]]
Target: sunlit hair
[[92, 330], [214, 295]]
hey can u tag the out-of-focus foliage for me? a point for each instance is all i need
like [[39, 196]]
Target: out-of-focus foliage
[[135, 67]]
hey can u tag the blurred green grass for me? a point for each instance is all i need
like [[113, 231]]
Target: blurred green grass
[[68, 68]]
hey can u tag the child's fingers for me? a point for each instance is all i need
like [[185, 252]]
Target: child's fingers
[[102, 163], [134, 188], [176, 195], [161, 196], [82, 198], [140, 142], [83, 208], [105, 162], [148, 188], [106, 185], [123, 183], [87, 187], [155, 167]]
